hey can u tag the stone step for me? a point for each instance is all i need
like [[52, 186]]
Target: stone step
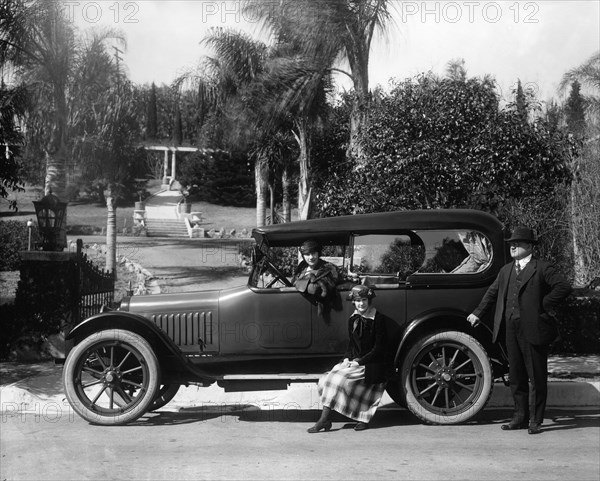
[[166, 228]]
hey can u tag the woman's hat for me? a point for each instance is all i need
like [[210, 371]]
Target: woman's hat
[[524, 234], [309, 246], [361, 292]]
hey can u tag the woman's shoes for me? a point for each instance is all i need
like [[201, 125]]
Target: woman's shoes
[[325, 426]]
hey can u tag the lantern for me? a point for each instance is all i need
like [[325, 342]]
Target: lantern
[[51, 214]]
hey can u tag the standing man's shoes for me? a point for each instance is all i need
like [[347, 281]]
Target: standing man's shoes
[[361, 426], [534, 428], [513, 426]]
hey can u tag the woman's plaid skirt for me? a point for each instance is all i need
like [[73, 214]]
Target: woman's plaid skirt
[[343, 389]]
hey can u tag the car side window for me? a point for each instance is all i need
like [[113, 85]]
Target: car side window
[[455, 252], [287, 258], [384, 260]]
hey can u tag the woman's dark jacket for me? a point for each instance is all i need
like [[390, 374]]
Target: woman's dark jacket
[[320, 282], [367, 345]]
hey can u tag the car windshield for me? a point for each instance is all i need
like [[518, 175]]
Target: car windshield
[[274, 265]]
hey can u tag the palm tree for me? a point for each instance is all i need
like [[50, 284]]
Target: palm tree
[[104, 126], [297, 94], [220, 81], [285, 91], [107, 147], [40, 44], [274, 154], [330, 32]]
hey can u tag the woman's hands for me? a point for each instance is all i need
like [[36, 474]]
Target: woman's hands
[[348, 363]]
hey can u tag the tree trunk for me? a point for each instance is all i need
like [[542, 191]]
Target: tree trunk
[[260, 182], [56, 151], [304, 190], [55, 181], [272, 204], [111, 234], [359, 65], [358, 118], [286, 183]]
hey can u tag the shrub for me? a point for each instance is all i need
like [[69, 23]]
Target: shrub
[[219, 178], [12, 328], [578, 324], [13, 239]]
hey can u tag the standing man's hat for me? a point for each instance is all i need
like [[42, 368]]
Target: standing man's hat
[[309, 246], [524, 234]]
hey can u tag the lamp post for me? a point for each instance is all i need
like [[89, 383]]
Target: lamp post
[[51, 213], [29, 225]]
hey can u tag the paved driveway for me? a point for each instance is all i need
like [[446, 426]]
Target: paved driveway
[[180, 265]]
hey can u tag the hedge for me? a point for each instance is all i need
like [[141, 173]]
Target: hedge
[[14, 238], [579, 324]]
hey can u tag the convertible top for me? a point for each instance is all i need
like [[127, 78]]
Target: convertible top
[[337, 230]]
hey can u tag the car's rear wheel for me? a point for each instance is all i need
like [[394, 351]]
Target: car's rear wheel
[[111, 377], [395, 390], [165, 395], [447, 378]]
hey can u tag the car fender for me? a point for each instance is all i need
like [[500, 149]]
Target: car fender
[[158, 340], [449, 319]]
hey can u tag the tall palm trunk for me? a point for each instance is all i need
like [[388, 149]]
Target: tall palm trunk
[[111, 233], [360, 107], [286, 183], [260, 179], [55, 181], [304, 188], [56, 152], [271, 188]]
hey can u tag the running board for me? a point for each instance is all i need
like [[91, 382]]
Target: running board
[[263, 382], [270, 377]]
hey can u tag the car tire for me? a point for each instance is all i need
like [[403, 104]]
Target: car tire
[[447, 378], [164, 396], [111, 377]]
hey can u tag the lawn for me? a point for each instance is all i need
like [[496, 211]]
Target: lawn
[[90, 217]]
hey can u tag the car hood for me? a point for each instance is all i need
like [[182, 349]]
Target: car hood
[[173, 302]]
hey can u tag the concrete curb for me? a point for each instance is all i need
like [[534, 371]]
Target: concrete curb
[[28, 395]]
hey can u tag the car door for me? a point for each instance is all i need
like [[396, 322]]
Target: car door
[[264, 320]]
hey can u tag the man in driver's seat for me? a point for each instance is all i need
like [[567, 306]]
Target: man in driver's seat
[[314, 276]]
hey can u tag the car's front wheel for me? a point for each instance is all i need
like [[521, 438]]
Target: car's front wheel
[[447, 377], [111, 377]]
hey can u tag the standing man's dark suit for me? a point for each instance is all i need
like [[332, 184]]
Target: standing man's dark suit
[[525, 305]]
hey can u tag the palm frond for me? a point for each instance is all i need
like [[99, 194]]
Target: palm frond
[[241, 54], [587, 74]]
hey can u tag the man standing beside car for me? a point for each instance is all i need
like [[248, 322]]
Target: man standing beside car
[[526, 293]]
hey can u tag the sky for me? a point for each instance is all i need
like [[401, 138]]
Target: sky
[[534, 41]]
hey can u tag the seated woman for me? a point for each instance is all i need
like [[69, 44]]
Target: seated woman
[[313, 275], [354, 387]]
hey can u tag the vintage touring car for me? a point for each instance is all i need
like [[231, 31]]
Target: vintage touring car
[[429, 269]]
